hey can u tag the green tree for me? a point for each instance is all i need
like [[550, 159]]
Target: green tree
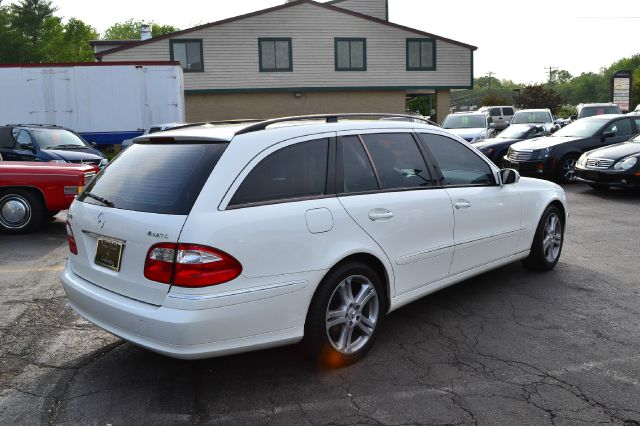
[[494, 98], [32, 20], [130, 30], [77, 35], [13, 46], [537, 96]]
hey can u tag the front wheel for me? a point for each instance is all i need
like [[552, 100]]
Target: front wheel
[[345, 315], [547, 242], [567, 169], [20, 211]]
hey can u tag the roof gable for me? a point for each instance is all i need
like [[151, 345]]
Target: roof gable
[[274, 9]]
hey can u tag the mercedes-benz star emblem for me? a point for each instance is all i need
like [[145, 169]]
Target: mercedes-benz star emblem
[[101, 220], [597, 163]]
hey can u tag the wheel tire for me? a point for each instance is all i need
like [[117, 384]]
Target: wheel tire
[[599, 186], [20, 211], [547, 242], [566, 169], [323, 341]]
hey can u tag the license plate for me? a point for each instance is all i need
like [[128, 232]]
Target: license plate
[[109, 254]]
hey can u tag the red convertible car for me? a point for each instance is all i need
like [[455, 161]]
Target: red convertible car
[[31, 193]]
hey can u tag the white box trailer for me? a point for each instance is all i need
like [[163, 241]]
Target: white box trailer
[[106, 102]]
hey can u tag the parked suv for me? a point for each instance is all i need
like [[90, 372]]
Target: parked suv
[[210, 240], [501, 116], [34, 142], [589, 110]]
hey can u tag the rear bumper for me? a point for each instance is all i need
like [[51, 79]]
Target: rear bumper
[[619, 179], [189, 333]]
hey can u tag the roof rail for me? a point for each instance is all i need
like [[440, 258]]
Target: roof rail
[[329, 118], [32, 125]]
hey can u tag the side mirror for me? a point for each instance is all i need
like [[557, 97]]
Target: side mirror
[[573, 117], [27, 147], [492, 126], [608, 134], [509, 176]]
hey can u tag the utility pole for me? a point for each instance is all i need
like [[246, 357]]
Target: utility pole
[[552, 70], [490, 74]]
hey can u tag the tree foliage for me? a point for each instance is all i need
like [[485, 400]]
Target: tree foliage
[[537, 96], [130, 30], [495, 98]]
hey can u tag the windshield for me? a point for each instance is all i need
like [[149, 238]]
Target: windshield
[[465, 122], [522, 117], [154, 178], [580, 128], [54, 138], [515, 131], [599, 110]]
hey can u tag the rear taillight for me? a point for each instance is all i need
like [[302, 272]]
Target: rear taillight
[[73, 248], [190, 265]]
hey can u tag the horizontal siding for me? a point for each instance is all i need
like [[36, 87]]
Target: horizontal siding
[[231, 53], [375, 8]]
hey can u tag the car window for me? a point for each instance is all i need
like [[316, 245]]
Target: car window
[[620, 128], [637, 120], [358, 175], [22, 137], [522, 117], [6, 138], [295, 171], [465, 121], [495, 112], [507, 111], [458, 164], [53, 138], [397, 160]]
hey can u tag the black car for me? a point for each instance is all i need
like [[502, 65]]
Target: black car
[[613, 166], [555, 156], [497, 147], [34, 142]]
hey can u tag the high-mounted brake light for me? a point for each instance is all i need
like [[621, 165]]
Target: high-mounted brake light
[[73, 247], [190, 265]]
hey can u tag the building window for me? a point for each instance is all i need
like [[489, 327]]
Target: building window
[[189, 53], [351, 54], [275, 54], [421, 54]]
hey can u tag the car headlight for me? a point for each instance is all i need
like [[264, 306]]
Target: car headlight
[[58, 161], [479, 137], [626, 164], [542, 154], [582, 161]]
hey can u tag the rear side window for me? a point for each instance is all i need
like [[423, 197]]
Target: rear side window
[[156, 178], [358, 175], [296, 171], [495, 112], [6, 139], [459, 165], [397, 160], [508, 111]]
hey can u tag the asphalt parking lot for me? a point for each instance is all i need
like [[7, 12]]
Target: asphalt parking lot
[[508, 347]]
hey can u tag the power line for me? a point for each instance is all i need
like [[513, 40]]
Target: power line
[[551, 69]]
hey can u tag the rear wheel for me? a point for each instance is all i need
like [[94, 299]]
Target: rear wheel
[[20, 211], [567, 169], [547, 242], [345, 315]]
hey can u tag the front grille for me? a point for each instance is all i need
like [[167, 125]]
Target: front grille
[[519, 155], [599, 163]]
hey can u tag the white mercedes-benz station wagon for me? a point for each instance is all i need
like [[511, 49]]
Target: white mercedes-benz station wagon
[[214, 239]]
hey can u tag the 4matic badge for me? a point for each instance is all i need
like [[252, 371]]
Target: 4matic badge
[[158, 235]]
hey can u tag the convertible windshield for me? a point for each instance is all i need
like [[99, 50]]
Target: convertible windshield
[[515, 131], [465, 122], [56, 138], [522, 117], [581, 128]]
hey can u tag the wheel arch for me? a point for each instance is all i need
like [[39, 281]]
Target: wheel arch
[[7, 189]]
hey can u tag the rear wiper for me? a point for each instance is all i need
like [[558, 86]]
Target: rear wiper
[[99, 198]]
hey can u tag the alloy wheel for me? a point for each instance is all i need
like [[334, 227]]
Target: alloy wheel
[[552, 240], [569, 169]]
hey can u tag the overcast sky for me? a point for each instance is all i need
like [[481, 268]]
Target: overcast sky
[[516, 40]]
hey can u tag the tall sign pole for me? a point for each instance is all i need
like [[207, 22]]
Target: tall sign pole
[[621, 89]]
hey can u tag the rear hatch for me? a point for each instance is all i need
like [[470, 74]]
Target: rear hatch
[[142, 198]]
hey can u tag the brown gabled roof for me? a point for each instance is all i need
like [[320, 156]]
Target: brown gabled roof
[[275, 8]]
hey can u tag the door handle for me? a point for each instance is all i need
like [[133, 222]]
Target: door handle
[[380, 214], [462, 204]]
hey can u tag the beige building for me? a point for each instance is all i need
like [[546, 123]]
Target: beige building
[[305, 57]]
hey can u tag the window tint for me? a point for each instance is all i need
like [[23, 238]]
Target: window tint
[[156, 178], [458, 164], [507, 111], [397, 160], [296, 171], [495, 112], [620, 127], [275, 54], [188, 53], [421, 54], [351, 54], [22, 136], [358, 174]]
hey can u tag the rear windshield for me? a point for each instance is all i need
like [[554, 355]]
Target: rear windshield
[[523, 117], [599, 110], [465, 122], [156, 178]]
